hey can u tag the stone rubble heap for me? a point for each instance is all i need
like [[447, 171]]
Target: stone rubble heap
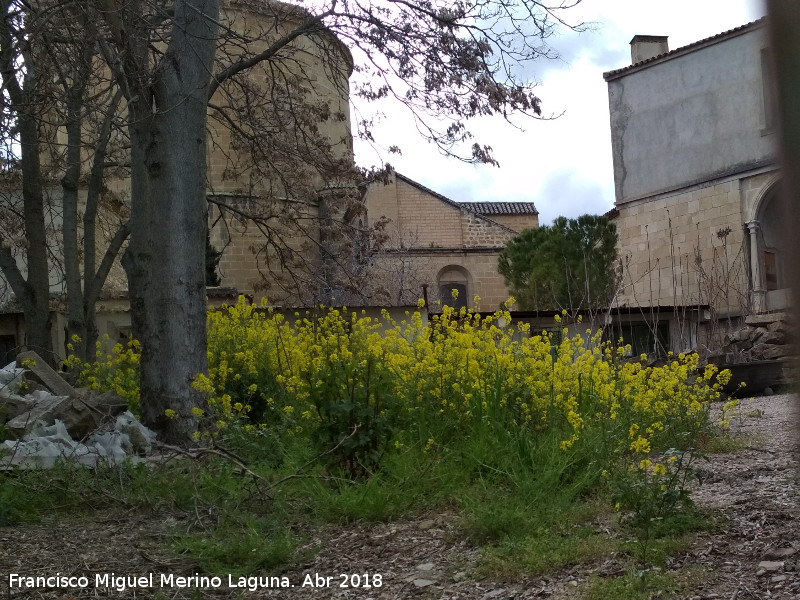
[[55, 421], [763, 337]]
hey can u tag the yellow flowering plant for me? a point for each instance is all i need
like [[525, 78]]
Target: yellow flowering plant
[[117, 369], [647, 492], [244, 361], [359, 388]]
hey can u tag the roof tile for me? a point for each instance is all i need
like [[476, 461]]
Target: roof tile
[[501, 208]]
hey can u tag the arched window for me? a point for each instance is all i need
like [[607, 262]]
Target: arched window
[[454, 277]]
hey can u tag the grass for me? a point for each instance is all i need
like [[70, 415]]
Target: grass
[[543, 553], [530, 511], [634, 585], [731, 443], [644, 585], [584, 532], [239, 546]]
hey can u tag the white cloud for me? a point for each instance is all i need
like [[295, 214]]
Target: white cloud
[[564, 166]]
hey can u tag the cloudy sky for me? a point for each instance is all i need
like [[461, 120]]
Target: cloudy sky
[[563, 165]]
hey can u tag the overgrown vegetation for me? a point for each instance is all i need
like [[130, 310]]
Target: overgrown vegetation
[[341, 418]]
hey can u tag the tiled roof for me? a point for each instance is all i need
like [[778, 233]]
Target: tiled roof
[[501, 208], [713, 39]]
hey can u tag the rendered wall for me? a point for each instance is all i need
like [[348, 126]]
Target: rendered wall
[[693, 158], [690, 117]]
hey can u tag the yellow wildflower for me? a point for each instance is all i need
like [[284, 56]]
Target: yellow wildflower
[[641, 445]]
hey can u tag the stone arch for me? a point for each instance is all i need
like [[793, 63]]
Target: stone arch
[[453, 277], [764, 195], [772, 245], [768, 250]]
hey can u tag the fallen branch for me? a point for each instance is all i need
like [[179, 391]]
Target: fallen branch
[[197, 453], [232, 458]]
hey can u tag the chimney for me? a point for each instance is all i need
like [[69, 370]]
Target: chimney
[[644, 47]]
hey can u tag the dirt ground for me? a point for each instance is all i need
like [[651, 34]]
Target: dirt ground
[[753, 554]]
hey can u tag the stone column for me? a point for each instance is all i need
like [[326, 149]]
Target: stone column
[[758, 291]]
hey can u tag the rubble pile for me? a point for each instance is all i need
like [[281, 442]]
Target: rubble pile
[[763, 337], [45, 420]]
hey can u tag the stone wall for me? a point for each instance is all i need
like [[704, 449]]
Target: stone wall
[[517, 222], [300, 97], [427, 235], [694, 152], [250, 262], [661, 238], [415, 217], [420, 218], [479, 232], [303, 99], [415, 268]]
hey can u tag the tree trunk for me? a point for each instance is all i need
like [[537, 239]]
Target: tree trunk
[[37, 300], [33, 292], [76, 325], [165, 260], [94, 278]]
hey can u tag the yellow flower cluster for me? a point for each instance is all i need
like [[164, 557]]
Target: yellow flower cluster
[[459, 373], [117, 370]]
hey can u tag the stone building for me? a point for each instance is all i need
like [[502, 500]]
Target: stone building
[[434, 241], [694, 156], [287, 160], [286, 204], [259, 122]]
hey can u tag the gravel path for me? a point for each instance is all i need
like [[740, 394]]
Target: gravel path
[[757, 491]]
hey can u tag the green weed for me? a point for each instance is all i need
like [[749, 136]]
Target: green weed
[[544, 552], [238, 545], [730, 443], [634, 585]]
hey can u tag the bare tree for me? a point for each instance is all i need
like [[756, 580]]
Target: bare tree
[[22, 110], [89, 119], [440, 60], [57, 117]]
